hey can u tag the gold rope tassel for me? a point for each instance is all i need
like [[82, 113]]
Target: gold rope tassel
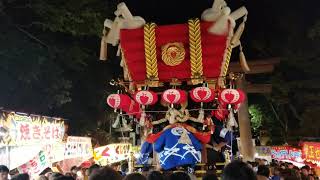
[[228, 57], [195, 51], [243, 62], [151, 54]]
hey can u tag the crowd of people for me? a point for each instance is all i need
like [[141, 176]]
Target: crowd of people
[[236, 170]]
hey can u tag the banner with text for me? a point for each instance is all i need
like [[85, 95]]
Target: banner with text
[[286, 153], [112, 153], [78, 147], [311, 152], [36, 165], [20, 129]]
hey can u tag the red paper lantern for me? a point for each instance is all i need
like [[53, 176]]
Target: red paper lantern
[[146, 97], [133, 109], [202, 94], [174, 96], [242, 97], [118, 101], [231, 96]]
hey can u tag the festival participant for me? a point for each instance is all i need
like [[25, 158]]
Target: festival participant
[[4, 171], [135, 176], [210, 176], [179, 176], [105, 173], [155, 175], [23, 176], [92, 169], [305, 172], [263, 172], [238, 170]]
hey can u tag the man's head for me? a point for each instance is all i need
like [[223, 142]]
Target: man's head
[[238, 170], [305, 170], [4, 171], [263, 171]]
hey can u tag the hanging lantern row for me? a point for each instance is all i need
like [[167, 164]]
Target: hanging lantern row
[[176, 96]]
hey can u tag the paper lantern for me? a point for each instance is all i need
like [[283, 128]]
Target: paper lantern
[[202, 94], [133, 110], [118, 101], [174, 96], [146, 97], [231, 96], [242, 97]]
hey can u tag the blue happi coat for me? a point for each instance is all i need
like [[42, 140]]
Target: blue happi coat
[[177, 147]]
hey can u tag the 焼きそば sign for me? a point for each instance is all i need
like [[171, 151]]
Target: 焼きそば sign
[[112, 153], [36, 165], [286, 153], [78, 147], [20, 129], [311, 152]]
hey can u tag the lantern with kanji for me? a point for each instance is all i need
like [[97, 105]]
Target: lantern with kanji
[[202, 94], [174, 96], [118, 101], [146, 97]]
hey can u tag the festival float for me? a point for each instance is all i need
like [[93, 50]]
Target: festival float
[[176, 94]]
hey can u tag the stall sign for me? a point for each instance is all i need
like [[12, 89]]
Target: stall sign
[[263, 150], [311, 152], [36, 165], [21, 129], [286, 153], [78, 147], [14, 156], [55, 152], [112, 153]]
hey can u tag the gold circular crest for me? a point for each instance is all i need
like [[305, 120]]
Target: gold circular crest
[[173, 53]]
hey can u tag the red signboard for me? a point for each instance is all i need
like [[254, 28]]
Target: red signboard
[[311, 152]]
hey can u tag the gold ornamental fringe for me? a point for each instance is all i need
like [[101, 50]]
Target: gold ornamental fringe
[[195, 51], [151, 55], [228, 57]]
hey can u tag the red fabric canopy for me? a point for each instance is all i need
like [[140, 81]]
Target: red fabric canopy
[[132, 44]]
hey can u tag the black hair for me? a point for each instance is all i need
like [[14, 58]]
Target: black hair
[[135, 176], [238, 170], [179, 176], [24, 176], [4, 168], [105, 173], [92, 168], [155, 175], [263, 171], [210, 176]]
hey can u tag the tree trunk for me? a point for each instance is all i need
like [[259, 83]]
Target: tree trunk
[[247, 149]]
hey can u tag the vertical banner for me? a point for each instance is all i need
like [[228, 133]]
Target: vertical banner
[[36, 165], [78, 147]]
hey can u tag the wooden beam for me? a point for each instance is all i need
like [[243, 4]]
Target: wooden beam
[[256, 66], [259, 88]]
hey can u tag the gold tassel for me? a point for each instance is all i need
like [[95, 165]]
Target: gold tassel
[[235, 40], [243, 62], [103, 46], [103, 49]]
